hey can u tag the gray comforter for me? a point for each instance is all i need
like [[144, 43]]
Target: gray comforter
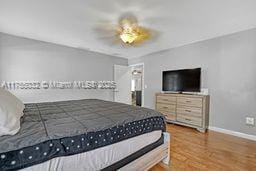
[[55, 120]]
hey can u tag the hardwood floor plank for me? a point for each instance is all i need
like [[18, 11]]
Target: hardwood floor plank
[[211, 151]]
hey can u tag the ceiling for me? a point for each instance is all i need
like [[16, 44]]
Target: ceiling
[[177, 22]]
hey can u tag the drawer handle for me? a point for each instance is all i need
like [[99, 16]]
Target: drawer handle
[[188, 101], [165, 107], [188, 110], [165, 99], [187, 119]]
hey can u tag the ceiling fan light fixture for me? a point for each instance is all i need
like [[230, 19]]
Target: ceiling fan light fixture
[[128, 35], [126, 31]]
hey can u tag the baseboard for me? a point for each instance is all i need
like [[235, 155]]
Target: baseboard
[[234, 133]]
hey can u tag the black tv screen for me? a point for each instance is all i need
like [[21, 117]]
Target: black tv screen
[[187, 80]]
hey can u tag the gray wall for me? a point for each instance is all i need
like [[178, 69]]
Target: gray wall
[[29, 60], [229, 72]]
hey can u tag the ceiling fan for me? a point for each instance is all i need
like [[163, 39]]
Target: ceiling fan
[[126, 31]]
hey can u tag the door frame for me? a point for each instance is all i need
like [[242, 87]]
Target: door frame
[[142, 81]]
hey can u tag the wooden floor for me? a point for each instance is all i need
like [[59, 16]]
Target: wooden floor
[[192, 150]]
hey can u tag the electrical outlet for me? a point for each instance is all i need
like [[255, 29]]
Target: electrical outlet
[[249, 120]]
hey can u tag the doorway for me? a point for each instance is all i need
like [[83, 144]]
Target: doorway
[[137, 84]]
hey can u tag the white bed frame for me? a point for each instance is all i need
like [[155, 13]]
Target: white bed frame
[[150, 159]]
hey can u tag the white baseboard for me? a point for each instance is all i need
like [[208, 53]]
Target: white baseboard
[[234, 133]]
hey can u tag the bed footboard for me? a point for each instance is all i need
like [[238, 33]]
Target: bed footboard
[[150, 159], [167, 141]]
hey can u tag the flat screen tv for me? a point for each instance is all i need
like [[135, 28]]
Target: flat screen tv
[[186, 80]]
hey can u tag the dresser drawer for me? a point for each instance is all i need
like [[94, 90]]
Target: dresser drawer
[[189, 120], [189, 101], [166, 99], [191, 111], [169, 115], [166, 107]]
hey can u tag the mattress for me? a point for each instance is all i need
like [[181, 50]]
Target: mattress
[[106, 157], [56, 129]]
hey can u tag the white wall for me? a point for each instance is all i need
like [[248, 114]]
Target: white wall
[[29, 60], [228, 71]]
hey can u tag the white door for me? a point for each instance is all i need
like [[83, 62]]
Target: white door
[[122, 77]]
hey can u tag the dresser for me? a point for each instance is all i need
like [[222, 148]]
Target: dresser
[[185, 109]]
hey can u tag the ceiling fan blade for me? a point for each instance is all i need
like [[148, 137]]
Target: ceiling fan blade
[[155, 34], [148, 36], [129, 17], [112, 40], [106, 29], [107, 33]]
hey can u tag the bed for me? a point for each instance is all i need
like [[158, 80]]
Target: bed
[[87, 134]]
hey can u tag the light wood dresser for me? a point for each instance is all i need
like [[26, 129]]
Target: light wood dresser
[[184, 109]]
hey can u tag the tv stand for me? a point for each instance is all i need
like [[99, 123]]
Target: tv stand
[[185, 109]]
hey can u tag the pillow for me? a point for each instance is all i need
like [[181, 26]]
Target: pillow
[[11, 110]]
